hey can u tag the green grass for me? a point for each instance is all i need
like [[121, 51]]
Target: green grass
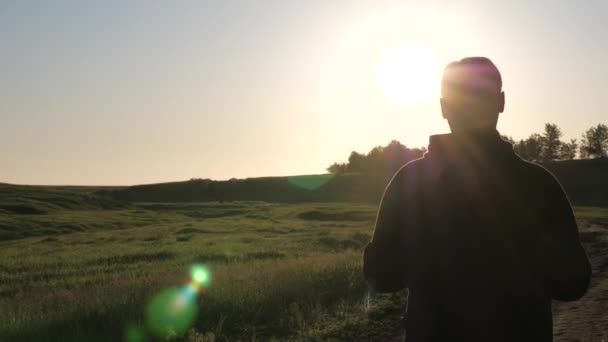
[[283, 272], [278, 270]]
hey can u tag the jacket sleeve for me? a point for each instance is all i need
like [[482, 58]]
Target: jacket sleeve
[[382, 258], [567, 267]]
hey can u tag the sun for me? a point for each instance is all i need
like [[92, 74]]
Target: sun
[[407, 73]]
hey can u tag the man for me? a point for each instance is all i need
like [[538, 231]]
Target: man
[[482, 239]]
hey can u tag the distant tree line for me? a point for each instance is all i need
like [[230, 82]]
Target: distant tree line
[[538, 147], [381, 160], [548, 145]]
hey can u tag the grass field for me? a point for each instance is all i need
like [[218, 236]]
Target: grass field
[[282, 272]]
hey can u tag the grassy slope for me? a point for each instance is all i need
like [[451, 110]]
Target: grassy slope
[[584, 181], [33, 210], [77, 266], [308, 188], [279, 271]]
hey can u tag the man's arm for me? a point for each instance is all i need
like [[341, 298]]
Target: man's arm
[[383, 256], [568, 269]]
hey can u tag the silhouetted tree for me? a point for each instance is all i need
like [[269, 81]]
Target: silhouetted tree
[[551, 143], [395, 155], [337, 168], [594, 143], [375, 159], [380, 161], [508, 139], [545, 147], [356, 162], [568, 150], [530, 149], [383, 161]]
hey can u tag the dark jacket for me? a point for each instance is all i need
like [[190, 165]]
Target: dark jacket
[[483, 241]]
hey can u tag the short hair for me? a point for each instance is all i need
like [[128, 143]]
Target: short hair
[[470, 69]]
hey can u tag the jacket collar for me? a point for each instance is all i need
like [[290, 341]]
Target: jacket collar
[[478, 144]]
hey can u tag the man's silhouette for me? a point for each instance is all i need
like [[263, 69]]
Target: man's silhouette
[[482, 239]]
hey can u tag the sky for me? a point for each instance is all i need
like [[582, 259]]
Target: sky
[[132, 92]]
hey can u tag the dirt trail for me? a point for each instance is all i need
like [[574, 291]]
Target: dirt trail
[[587, 319]]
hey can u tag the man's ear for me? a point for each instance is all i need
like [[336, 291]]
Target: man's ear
[[501, 102], [444, 107]]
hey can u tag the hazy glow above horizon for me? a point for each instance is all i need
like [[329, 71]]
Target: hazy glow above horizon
[[120, 93]]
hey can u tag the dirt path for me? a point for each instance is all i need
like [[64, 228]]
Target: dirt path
[[587, 319]]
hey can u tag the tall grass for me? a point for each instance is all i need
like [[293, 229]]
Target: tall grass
[[260, 297], [278, 270]]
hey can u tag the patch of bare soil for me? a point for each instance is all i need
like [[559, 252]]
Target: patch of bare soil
[[587, 319]]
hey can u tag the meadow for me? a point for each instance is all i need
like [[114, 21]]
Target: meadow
[[85, 269], [279, 271]]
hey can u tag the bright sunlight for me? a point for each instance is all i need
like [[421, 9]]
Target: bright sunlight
[[407, 73]]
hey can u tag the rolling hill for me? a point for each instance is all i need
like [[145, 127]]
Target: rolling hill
[[585, 182]]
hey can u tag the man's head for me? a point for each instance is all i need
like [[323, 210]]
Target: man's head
[[471, 95]]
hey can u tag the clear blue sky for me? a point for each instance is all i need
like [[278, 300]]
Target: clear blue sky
[[128, 92]]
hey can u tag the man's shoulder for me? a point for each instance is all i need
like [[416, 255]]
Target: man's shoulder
[[404, 181], [414, 173], [425, 167], [413, 168]]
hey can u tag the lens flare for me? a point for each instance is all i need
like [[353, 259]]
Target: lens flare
[[310, 182], [200, 275], [134, 333], [192, 289], [172, 311]]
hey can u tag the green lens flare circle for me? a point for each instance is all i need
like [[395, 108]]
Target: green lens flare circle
[[200, 275], [133, 333], [171, 312]]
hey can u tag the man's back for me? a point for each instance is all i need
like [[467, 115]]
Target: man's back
[[483, 241]]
